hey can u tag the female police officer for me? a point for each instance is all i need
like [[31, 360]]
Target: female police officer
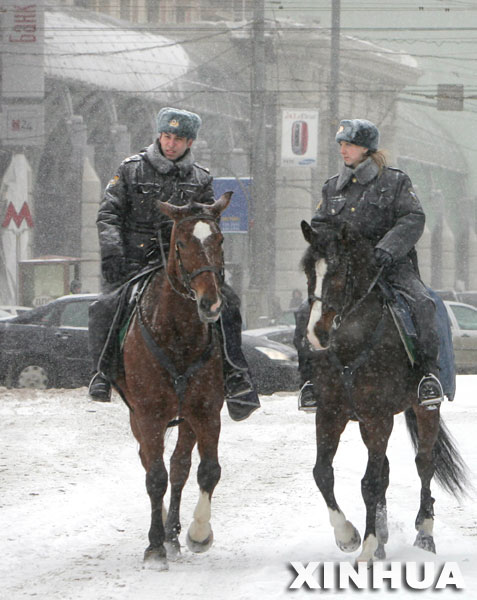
[[380, 200]]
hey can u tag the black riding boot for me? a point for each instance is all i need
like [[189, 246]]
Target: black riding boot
[[100, 388], [306, 397], [101, 316], [240, 393]]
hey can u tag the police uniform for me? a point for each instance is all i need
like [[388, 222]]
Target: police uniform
[[385, 208], [129, 220]]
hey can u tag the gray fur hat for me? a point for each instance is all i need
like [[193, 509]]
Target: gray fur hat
[[181, 122], [359, 132]]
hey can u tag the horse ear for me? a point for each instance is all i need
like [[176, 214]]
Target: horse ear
[[222, 203], [307, 231], [170, 210]]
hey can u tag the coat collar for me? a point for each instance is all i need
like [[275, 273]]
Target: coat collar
[[165, 166], [364, 173]]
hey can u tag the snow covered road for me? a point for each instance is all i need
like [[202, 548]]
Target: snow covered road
[[74, 512]]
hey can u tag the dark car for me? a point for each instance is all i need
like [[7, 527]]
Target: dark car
[[47, 347]]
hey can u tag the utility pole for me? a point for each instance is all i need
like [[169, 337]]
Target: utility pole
[[261, 246], [334, 93]]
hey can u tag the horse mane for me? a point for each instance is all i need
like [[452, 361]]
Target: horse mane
[[308, 266]]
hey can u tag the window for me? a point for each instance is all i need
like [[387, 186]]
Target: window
[[466, 317], [75, 314], [152, 11]]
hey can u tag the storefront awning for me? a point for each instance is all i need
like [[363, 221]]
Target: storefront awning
[[100, 53]]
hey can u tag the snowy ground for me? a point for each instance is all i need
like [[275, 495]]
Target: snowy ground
[[74, 512]]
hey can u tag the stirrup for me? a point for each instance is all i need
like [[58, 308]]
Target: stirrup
[[429, 392], [306, 400]]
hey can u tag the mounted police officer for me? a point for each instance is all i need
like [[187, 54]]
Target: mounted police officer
[[130, 226], [381, 201]]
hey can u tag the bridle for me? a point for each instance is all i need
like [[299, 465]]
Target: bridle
[[186, 277]]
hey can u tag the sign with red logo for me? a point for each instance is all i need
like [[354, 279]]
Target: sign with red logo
[[18, 217], [299, 138]]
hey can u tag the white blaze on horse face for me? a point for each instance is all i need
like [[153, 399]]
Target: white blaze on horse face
[[315, 313], [202, 231]]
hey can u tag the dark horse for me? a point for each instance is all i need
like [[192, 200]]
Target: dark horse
[[173, 371], [362, 373]]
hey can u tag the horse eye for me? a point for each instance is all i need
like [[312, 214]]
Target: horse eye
[[180, 244]]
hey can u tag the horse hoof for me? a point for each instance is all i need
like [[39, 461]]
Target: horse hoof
[[199, 547], [380, 553], [349, 539], [155, 558], [425, 542], [173, 549]]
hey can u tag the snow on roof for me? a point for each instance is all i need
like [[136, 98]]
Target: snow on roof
[[105, 55]]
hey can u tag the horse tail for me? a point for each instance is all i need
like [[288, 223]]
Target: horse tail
[[451, 471]]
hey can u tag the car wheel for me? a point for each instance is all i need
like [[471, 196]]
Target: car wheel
[[32, 376]]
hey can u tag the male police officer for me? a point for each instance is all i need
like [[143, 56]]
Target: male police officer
[[129, 224]]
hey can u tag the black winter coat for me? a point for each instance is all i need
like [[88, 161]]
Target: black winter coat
[[382, 205], [129, 218]]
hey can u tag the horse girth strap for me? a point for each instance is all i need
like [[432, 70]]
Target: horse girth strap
[[180, 380]]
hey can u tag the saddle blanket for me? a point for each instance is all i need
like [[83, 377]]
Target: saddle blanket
[[404, 324]]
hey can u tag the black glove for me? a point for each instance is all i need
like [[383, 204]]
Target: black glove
[[382, 258], [113, 268]]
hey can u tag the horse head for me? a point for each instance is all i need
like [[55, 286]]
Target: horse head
[[339, 265], [195, 264]]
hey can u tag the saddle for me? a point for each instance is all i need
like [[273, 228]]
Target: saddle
[[402, 317]]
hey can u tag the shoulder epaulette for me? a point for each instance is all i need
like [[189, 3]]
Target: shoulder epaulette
[[330, 178], [134, 157], [395, 169], [201, 167]]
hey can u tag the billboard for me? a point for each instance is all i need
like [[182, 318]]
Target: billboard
[[235, 218], [299, 138]]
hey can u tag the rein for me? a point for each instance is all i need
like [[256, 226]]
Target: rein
[[348, 372], [179, 380]]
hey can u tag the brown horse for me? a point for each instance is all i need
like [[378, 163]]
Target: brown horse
[[173, 371], [362, 373]]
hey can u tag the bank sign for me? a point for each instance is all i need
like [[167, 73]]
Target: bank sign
[[235, 218], [299, 138]]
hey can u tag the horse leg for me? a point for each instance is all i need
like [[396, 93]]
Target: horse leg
[[151, 448], [329, 428], [179, 472], [428, 428], [200, 535], [382, 532], [372, 487]]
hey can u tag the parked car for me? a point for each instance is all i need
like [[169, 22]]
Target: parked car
[[467, 297], [47, 347], [275, 333], [463, 318]]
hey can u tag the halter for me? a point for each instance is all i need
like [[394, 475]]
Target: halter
[[186, 276]]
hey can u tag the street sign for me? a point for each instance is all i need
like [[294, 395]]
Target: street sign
[[235, 218]]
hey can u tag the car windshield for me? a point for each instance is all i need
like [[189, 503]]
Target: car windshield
[[466, 316]]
